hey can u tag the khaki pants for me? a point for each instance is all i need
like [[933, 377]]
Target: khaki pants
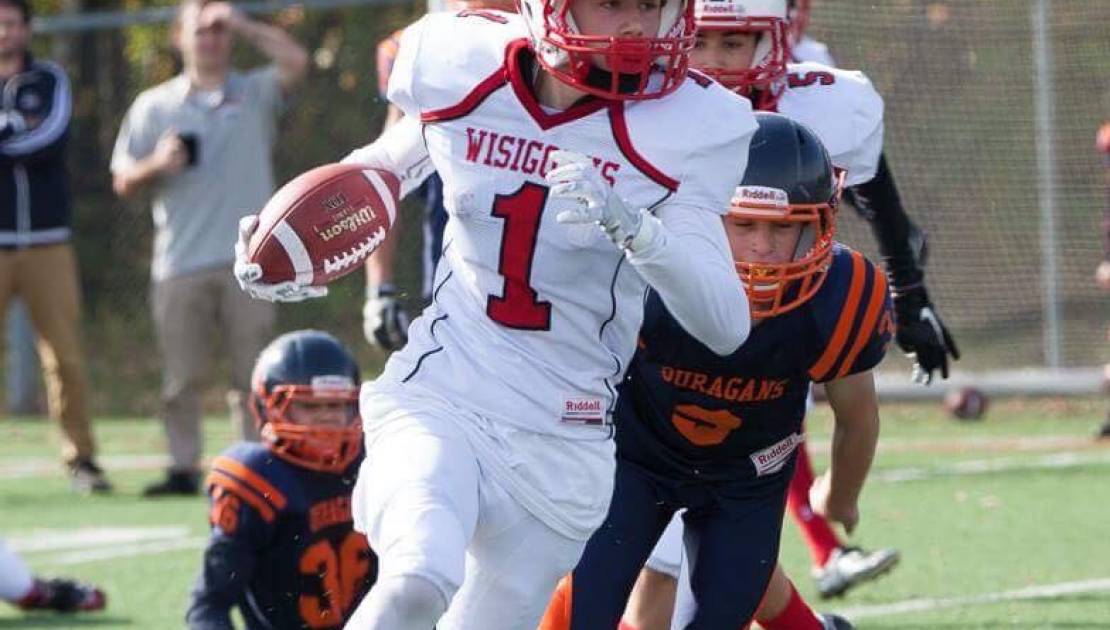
[[45, 277], [193, 315]]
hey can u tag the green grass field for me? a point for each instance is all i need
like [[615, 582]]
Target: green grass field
[[1001, 524]]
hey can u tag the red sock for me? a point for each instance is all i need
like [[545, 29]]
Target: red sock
[[796, 616], [819, 536]]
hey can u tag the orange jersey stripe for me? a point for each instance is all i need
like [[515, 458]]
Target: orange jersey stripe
[[230, 484], [255, 481], [557, 615], [870, 320], [844, 325]]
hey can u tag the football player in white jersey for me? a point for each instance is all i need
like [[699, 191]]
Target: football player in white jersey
[[581, 163]]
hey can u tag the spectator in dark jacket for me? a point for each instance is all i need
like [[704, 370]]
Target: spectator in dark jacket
[[36, 258]]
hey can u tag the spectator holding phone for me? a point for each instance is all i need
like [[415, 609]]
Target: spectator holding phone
[[201, 143]]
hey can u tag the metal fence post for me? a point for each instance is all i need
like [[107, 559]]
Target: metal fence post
[[1045, 113]]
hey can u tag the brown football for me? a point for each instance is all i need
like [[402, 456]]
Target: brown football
[[324, 223], [966, 403]]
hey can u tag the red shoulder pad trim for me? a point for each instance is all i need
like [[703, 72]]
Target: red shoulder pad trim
[[619, 126]]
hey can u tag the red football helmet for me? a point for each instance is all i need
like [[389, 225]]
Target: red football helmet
[[640, 67], [764, 78], [799, 19], [789, 178], [310, 368]]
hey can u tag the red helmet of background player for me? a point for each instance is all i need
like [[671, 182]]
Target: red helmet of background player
[[789, 178], [640, 67], [764, 79], [799, 18], [307, 366]]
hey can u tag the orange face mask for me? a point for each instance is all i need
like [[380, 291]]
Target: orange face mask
[[323, 448]]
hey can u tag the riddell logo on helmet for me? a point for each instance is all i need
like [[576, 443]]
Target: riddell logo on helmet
[[761, 195]]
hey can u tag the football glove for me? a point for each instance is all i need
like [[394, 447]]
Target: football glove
[[577, 179], [921, 334], [384, 320], [248, 273]]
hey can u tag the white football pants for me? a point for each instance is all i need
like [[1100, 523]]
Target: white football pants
[[435, 514]]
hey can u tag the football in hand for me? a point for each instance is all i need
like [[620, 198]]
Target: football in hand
[[324, 223]]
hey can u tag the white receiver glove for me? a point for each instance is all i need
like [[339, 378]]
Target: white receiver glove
[[247, 273], [576, 178]]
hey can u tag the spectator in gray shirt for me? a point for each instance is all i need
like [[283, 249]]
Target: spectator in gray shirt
[[201, 143]]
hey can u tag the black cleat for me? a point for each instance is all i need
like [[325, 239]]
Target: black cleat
[[850, 566], [176, 483], [64, 596], [86, 477]]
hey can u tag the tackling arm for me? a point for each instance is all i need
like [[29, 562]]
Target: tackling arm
[[227, 569]]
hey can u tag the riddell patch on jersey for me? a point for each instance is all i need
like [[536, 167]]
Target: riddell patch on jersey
[[583, 410], [771, 459]]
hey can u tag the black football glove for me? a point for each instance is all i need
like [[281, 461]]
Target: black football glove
[[384, 320], [921, 334]]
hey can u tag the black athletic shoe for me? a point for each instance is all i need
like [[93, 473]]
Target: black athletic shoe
[[1103, 432], [176, 483], [87, 478], [63, 595]]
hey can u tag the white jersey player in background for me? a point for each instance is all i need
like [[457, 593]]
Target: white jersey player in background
[[489, 459], [745, 44], [802, 46]]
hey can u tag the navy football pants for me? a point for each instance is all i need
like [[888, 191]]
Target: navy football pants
[[731, 538]]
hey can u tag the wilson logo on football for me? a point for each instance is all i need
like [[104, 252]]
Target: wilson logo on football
[[349, 223], [335, 202]]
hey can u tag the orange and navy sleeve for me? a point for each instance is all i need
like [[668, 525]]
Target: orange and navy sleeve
[[236, 491], [857, 322], [243, 511], [386, 56]]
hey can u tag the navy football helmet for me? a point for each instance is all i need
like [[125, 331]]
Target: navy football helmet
[[789, 178], [306, 370]]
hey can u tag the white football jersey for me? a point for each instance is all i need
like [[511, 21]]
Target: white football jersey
[[533, 322], [809, 49], [843, 109]]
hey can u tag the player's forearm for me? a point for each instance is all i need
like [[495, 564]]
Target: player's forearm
[[400, 150], [227, 569], [855, 436], [289, 56], [689, 266], [901, 243]]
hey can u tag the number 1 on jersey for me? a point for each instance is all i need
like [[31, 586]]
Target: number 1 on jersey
[[517, 306]]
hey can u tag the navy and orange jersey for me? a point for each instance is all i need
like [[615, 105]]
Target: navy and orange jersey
[[690, 414], [282, 547]]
